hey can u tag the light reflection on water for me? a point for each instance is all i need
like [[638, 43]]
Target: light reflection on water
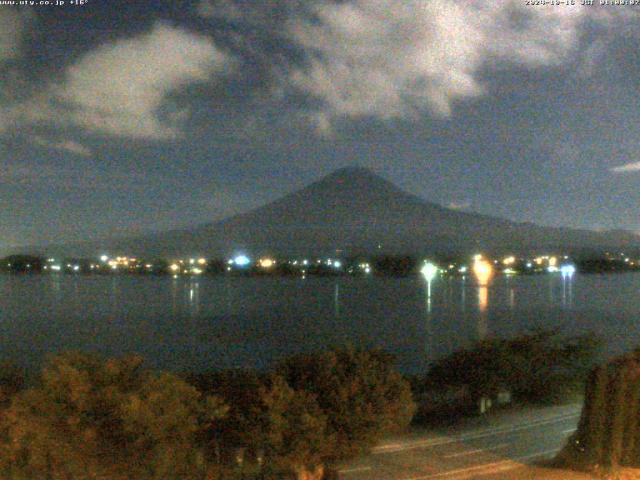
[[203, 323]]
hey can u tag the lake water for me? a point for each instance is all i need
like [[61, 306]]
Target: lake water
[[219, 322]]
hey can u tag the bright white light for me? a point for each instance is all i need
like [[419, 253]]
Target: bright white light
[[242, 260], [55, 268], [104, 258], [305, 262], [462, 269], [337, 264], [567, 270], [196, 271], [552, 269], [429, 271], [174, 267], [76, 268]]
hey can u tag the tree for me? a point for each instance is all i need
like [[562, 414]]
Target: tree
[[90, 418], [12, 381], [268, 419], [361, 394], [536, 366], [608, 435], [291, 428]]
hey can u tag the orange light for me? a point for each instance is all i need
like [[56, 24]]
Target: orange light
[[509, 260], [266, 262], [483, 271]]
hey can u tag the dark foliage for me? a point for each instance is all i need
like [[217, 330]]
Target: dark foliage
[[608, 434], [538, 366], [360, 392]]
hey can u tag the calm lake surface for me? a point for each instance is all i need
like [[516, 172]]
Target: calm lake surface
[[218, 322]]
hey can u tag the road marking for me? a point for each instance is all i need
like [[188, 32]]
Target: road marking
[[477, 450], [571, 430], [354, 470], [487, 468], [399, 447]]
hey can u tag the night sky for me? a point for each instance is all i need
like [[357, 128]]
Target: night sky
[[122, 117]]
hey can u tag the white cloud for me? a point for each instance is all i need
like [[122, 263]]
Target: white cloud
[[629, 167], [119, 88], [70, 146], [390, 59]]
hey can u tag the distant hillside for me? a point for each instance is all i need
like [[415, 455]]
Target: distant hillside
[[356, 211]]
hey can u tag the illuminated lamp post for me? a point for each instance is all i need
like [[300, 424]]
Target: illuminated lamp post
[[429, 271]]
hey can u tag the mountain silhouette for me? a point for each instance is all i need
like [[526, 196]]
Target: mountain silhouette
[[355, 211]]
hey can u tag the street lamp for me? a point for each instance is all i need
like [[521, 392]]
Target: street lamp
[[429, 272]]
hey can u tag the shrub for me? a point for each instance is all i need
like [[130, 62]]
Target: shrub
[[90, 418], [538, 366], [360, 392]]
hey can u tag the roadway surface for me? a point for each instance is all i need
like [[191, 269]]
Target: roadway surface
[[478, 448]]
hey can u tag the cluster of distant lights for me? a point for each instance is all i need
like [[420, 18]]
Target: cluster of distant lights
[[483, 269], [267, 263], [55, 266], [194, 266]]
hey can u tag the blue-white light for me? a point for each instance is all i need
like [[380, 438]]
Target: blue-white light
[[567, 270], [242, 260], [429, 271]]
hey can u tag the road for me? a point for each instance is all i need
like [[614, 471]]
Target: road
[[479, 448]]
